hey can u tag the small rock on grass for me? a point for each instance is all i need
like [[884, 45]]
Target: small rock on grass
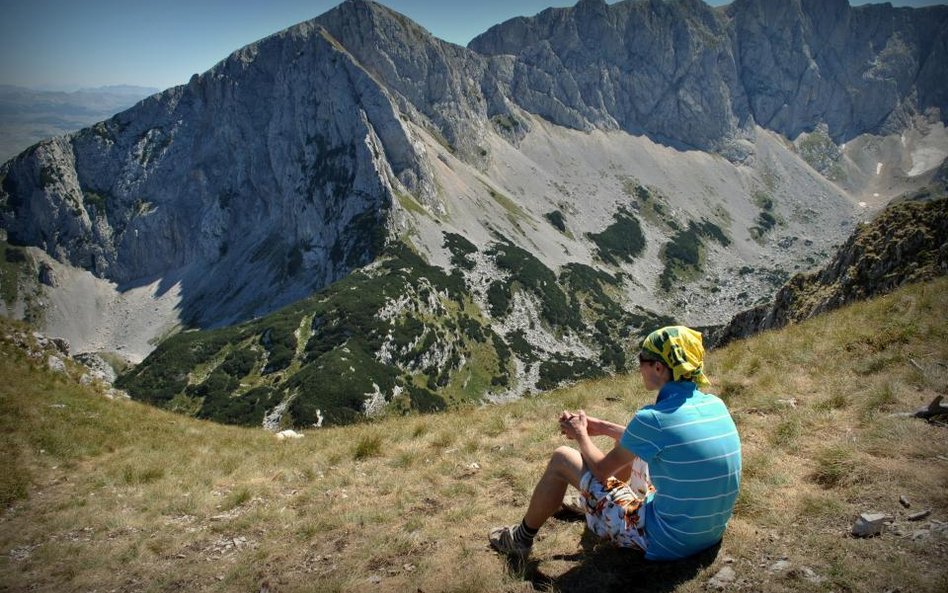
[[869, 524], [779, 566], [56, 364], [810, 575], [722, 579], [919, 515]]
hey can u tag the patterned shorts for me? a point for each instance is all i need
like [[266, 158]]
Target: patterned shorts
[[614, 509]]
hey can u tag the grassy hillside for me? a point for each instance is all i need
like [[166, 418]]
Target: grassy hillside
[[120, 496]]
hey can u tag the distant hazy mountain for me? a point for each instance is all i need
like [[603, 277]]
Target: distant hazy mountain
[[28, 116]]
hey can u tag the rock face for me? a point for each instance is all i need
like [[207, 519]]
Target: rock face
[[688, 73], [907, 243], [272, 169], [855, 69], [667, 69]]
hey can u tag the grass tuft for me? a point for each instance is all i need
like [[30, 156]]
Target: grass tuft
[[835, 466], [369, 445]]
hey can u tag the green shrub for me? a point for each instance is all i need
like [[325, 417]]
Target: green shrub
[[555, 372], [460, 248], [239, 363], [425, 400], [532, 275], [622, 240], [247, 409], [709, 230], [14, 255], [556, 219], [521, 346], [498, 298], [683, 257]]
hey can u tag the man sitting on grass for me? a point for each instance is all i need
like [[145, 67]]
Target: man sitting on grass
[[668, 485]]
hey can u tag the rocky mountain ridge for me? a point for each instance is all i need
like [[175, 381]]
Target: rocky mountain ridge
[[397, 219], [695, 75], [908, 242]]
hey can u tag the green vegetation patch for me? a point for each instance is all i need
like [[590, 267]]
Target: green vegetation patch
[[279, 339], [321, 352], [460, 249], [498, 298], [711, 231], [820, 152], [685, 250], [634, 189], [683, 257], [596, 296], [622, 240], [362, 240], [649, 203], [507, 123], [97, 201], [514, 213], [14, 263], [556, 219], [529, 273], [409, 203], [337, 383], [164, 373], [766, 219], [562, 369], [589, 286]]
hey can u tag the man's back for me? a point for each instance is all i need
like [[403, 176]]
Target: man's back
[[693, 450]]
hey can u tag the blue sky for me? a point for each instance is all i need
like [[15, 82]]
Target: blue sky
[[66, 44]]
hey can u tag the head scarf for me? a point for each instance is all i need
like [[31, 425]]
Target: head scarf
[[680, 348]]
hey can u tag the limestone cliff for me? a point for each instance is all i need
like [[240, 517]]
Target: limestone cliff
[[275, 168], [688, 73]]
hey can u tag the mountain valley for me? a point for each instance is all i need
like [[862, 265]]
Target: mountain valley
[[351, 215]]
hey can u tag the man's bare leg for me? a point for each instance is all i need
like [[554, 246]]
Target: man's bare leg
[[564, 468]]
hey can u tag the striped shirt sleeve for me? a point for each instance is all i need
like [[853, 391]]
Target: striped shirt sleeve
[[642, 436]]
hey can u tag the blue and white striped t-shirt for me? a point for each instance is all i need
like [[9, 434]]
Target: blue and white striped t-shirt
[[693, 453]]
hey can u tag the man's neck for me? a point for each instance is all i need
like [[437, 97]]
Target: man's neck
[[666, 389]]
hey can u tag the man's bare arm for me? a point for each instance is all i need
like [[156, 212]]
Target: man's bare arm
[[603, 428], [602, 465]]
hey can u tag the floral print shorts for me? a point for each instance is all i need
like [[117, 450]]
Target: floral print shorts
[[614, 509]]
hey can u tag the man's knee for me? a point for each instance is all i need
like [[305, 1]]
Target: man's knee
[[566, 461]]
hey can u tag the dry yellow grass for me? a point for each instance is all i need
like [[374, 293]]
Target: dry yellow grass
[[115, 496]]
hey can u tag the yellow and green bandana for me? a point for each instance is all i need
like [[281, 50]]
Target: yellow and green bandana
[[681, 349]]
